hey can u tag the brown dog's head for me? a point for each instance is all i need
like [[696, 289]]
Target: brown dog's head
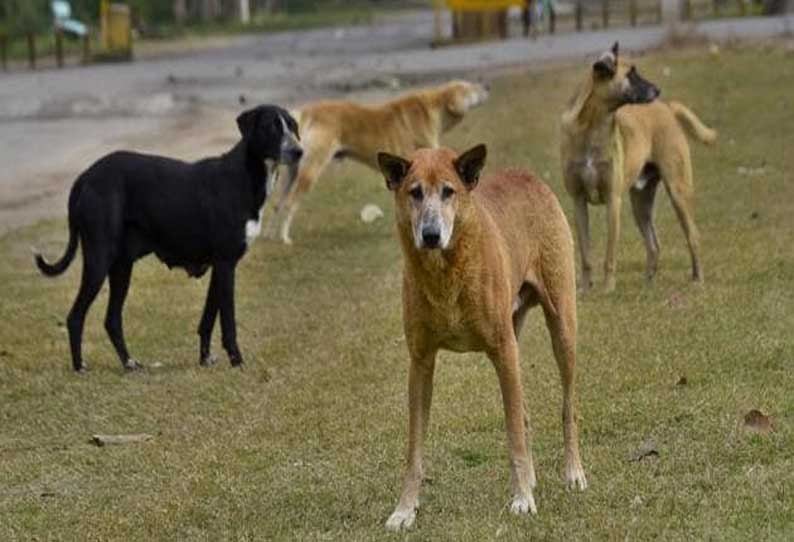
[[618, 83], [432, 191]]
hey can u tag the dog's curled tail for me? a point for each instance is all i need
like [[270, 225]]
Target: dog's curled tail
[[693, 124], [54, 269]]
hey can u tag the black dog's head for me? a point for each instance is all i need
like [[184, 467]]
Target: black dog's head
[[619, 83], [270, 133]]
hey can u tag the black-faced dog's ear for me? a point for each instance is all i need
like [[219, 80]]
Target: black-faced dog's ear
[[292, 124], [393, 168], [604, 68], [470, 164], [246, 122], [615, 50]]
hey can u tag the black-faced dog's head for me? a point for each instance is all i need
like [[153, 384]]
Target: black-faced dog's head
[[618, 83], [271, 134]]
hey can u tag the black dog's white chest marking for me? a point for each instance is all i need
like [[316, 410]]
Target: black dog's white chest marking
[[254, 227]]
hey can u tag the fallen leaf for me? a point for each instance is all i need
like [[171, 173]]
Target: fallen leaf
[[757, 421], [682, 381], [676, 301]]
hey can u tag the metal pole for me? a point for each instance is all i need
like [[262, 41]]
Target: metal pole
[[578, 15], [59, 48]]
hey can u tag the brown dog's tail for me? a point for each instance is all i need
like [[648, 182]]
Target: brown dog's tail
[[693, 124]]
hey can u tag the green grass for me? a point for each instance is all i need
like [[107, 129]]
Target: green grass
[[307, 443]]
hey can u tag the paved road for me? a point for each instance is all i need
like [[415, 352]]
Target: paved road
[[54, 122]]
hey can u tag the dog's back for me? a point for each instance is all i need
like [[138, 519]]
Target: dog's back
[[529, 218]]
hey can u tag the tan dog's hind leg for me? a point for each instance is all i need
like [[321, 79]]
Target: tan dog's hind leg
[[582, 221], [275, 216], [560, 312], [613, 232], [642, 202], [508, 370], [678, 181], [420, 395], [316, 157]]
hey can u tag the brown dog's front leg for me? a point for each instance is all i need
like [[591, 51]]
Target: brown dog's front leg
[[225, 294], [522, 471], [613, 232], [582, 221], [420, 394]]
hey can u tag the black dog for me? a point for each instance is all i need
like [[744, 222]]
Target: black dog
[[194, 216]]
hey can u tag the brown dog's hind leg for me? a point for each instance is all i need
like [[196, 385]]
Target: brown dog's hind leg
[[613, 233], [682, 195], [314, 161], [560, 311], [642, 203], [420, 395]]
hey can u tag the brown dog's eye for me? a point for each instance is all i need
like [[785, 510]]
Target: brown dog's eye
[[447, 192], [416, 193]]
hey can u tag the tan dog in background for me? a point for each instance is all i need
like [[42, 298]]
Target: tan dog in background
[[610, 147], [475, 262], [331, 129]]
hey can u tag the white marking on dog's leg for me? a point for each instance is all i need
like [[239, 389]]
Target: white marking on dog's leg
[[285, 226]]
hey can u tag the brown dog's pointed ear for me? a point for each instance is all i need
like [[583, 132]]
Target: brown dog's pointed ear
[[470, 164], [393, 168], [246, 122]]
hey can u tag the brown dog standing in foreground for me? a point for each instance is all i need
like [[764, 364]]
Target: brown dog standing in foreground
[[343, 129], [610, 146], [475, 262]]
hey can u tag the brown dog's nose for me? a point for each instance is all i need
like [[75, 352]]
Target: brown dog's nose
[[431, 237]]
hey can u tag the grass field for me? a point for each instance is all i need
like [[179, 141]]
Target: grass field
[[307, 443]]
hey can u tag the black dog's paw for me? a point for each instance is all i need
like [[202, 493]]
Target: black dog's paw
[[236, 361], [208, 360], [132, 365], [82, 369]]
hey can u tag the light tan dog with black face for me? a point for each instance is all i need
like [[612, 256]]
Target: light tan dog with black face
[[344, 129], [611, 145], [477, 257]]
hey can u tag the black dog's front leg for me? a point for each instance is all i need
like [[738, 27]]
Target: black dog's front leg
[[225, 293], [208, 322]]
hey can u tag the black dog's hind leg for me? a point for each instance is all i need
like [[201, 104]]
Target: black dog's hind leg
[[95, 269], [120, 274], [225, 293], [211, 308]]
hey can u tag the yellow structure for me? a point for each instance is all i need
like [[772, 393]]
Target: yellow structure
[[483, 5], [116, 29]]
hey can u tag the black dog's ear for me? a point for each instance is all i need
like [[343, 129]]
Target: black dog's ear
[[615, 50], [470, 164], [393, 168], [246, 122]]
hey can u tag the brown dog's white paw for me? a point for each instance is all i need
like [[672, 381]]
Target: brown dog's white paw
[[574, 476], [402, 519], [523, 504]]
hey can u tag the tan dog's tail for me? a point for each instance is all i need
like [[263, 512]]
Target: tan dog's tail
[[693, 124]]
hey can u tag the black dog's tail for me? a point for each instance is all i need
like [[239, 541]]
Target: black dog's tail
[[53, 269]]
